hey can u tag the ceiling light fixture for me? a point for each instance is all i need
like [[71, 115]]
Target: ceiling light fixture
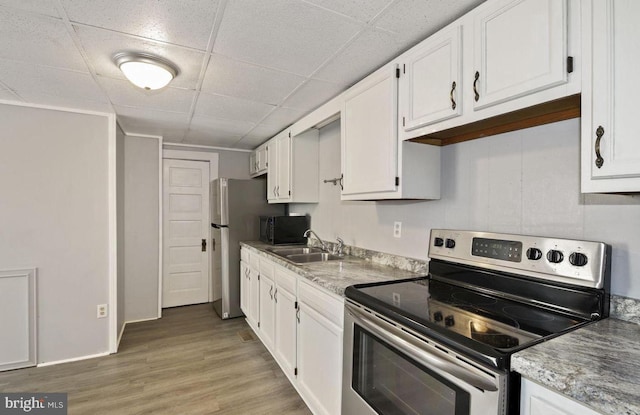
[[145, 70]]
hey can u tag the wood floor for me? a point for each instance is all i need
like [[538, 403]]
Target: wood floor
[[188, 362]]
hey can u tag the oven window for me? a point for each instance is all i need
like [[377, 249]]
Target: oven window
[[392, 383]]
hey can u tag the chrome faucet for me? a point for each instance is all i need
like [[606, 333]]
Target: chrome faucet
[[339, 247], [323, 246]]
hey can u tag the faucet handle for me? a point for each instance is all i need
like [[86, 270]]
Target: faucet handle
[[339, 247]]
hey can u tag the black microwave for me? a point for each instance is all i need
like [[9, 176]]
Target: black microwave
[[279, 230]]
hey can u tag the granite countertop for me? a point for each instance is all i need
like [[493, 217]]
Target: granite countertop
[[597, 365], [337, 275]]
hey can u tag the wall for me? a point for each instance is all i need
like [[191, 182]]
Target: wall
[[142, 229], [120, 175], [234, 164], [524, 182], [229, 164], [54, 216]]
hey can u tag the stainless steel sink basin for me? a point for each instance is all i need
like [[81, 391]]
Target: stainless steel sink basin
[[283, 252], [312, 257]]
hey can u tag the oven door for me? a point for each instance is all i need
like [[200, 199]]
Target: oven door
[[389, 369]]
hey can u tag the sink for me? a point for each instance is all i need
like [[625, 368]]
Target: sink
[[312, 257], [283, 252]]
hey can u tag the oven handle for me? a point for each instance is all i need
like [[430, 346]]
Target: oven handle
[[410, 346]]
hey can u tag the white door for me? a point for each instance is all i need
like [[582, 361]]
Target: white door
[[520, 48], [186, 233]]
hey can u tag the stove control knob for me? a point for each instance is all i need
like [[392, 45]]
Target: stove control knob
[[449, 321], [437, 316], [554, 256], [534, 254], [578, 259], [450, 243], [438, 242]]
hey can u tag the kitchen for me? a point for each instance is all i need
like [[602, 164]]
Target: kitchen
[[522, 182]]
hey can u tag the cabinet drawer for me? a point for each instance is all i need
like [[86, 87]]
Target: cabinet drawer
[[287, 280], [322, 302]]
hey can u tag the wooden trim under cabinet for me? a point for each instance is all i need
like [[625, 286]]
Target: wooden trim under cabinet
[[546, 113]]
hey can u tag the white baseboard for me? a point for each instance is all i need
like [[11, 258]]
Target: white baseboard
[[73, 359]]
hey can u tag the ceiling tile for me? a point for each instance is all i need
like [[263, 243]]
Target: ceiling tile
[[64, 102], [230, 108], [38, 40], [187, 24], [363, 10], [257, 83], [167, 99], [368, 52], [281, 118], [100, 46], [143, 121], [33, 79], [283, 34], [46, 7], [220, 128], [312, 94], [415, 20], [7, 94]]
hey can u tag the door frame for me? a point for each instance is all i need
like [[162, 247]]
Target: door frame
[[213, 159]]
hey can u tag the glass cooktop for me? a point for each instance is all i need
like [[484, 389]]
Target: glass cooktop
[[490, 320]]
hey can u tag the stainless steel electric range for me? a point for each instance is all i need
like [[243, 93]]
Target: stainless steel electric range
[[441, 344]]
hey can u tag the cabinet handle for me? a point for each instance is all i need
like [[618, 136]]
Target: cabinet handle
[[453, 101], [271, 292], [274, 191], [278, 191], [275, 295], [599, 159], [475, 86], [298, 314]]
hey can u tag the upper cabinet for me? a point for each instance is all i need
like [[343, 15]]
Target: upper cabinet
[[432, 80], [258, 161], [375, 164], [610, 144], [292, 168], [506, 65], [520, 47]]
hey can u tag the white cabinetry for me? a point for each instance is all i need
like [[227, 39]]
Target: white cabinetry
[[538, 400], [520, 48], [375, 164], [610, 144], [292, 171], [253, 291], [267, 305], [301, 325], [431, 82], [258, 161], [320, 349]]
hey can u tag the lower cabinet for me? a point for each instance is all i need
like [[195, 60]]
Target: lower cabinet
[[301, 325], [538, 400]]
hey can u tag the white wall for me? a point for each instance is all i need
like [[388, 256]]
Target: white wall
[[234, 164], [54, 216], [523, 182], [142, 229]]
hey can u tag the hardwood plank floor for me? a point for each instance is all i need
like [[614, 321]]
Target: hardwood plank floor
[[188, 362]]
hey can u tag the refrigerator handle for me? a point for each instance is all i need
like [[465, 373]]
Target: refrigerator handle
[[213, 244]]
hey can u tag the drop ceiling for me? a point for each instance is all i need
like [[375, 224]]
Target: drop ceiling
[[248, 68]]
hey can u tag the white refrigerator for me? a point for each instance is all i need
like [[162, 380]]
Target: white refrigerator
[[236, 206]]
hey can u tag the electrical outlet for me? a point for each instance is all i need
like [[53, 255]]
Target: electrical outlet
[[397, 229], [103, 310]]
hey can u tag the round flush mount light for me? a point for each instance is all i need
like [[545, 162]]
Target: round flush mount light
[[145, 70]]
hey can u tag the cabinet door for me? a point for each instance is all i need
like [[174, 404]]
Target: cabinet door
[[319, 361], [611, 148], [254, 298], [538, 400], [520, 48], [267, 311], [244, 287], [253, 163], [272, 169], [283, 189], [370, 135], [431, 83], [262, 158], [286, 328]]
